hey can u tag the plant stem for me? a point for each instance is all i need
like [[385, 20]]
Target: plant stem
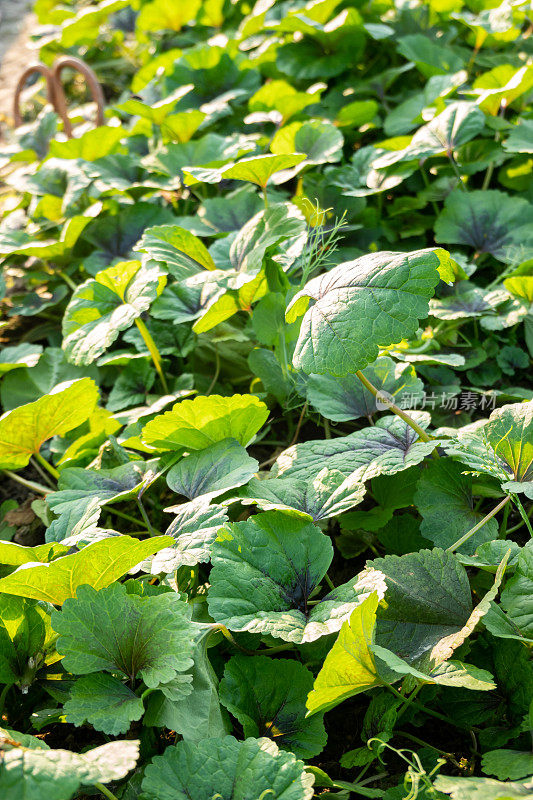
[[44, 475], [123, 515], [479, 525], [265, 198], [299, 425], [423, 708], [453, 162], [393, 407], [217, 373], [70, 283], [329, 581], [523, 514], [3, 696], [145, 516], [227, 635], [35, 487], [44, 463], [105, 791], [154, 352]]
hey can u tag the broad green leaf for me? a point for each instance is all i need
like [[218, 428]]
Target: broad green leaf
[[445, 673], [488, 221], [212, 471], [349, 668], [360, 306], [196, 424], [517, 596], [320, 496], [502, 84], [43, 774], [22, 355], [427, 599], [318, 139], [268, 696], [344, 399], [225, 304], [113, 631], [520, 140], [132, 385], [77, 485], [176, 249], [104, 702], [90, 145], [194, 529], [105, 305], [29, 384], [279, 229], [387, 447], [457, 124], [256, 169], [280, 96], [164, 15], [508, 764], [483, 789], [24, 429], [442, 485], [198, 714], [98, 565], [227, 768], [27, 641], [264, 571], [431, 57], [17, 554]]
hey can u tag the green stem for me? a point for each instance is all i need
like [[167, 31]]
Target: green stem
[[523, 514], [105, 791], [48, 467], [154, 352], [422, 707], [3, 696], [428, 186], [35, 487], [422, 743], [394, 408], [44, 475], [265, 198], [329, 581], [123, 515], [227, 635], [70, 283], [479, 525], [217, 373], [145, 516], [458, 175], [521, 523]]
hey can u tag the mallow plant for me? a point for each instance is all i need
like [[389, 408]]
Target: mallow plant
[[267, 412]]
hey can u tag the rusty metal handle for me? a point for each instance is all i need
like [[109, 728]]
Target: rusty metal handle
[[91, 81], [47, 74], [54, 89]]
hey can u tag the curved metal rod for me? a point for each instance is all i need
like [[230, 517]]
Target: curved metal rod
[[47, 74], [91, 80]]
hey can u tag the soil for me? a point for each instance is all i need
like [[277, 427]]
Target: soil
[[16, 51]]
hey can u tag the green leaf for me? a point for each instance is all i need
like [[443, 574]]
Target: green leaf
[[387, 447], [164, 15], [349, 668], [196, 424], [507, 764], [427, 598], [344, 399], [228, 768], [194, 529], [212, 471], [483, 789], [319, 496], [105, 305], [198, 714], [318, 139], [268, 698], [104, 702], [430, 57], [24, 429], [360, 306], [90, 145], [114, 631], [520, 140], [27, 641], [489, 222], [517, 596], [29, 384], [457, 124], [279, 229], [39, 773], [256, 169], [443, 486], [176, 249], [98, 564], [264, 572], [22, 355], [77, 485]]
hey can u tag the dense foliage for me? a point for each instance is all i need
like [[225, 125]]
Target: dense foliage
[[267, 432]]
